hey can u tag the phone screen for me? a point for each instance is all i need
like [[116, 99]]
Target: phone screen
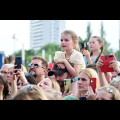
[[67, 85], [18, 62]]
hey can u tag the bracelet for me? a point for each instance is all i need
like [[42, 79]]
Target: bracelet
[[75, 79]]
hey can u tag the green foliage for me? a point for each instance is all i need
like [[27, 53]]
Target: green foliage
[[117, 54], [50, 49], [28, 55], [88, 33]]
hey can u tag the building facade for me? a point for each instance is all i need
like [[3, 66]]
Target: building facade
[[43, 32]]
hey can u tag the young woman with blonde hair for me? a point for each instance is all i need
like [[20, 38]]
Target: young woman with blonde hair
[[30, 92], [84, 81]]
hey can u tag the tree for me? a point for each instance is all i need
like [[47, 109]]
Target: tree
[[107, 50], [28, 55], [49, 49], [88, 33]]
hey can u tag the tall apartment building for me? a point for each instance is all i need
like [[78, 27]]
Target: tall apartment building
[[43, 32]]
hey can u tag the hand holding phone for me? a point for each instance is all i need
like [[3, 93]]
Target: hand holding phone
[[18, 62], [93, 83], [84, 46], [106, 63], [67, 85]]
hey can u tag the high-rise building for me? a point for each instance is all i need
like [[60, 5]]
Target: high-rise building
[[43, 32]]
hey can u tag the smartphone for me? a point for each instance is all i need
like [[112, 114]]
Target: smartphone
[[18, 62], [67, 85], [84, 46], [106, 59], [93, 83]]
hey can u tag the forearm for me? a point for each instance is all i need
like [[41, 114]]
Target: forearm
[[89, 60], [14, 87], [74, 88], [24, 80], [70, 69], [102, 79]]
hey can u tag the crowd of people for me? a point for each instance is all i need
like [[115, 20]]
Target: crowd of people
[[75, 74]]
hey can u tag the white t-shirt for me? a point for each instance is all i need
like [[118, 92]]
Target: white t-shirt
[[75, 58]]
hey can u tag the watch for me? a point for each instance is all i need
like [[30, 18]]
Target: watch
[[75, 79]]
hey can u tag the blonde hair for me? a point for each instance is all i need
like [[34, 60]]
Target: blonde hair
[[53, 94], [55, 85], [74, 37], [111, 89], [30, 92], [115, 81], [90, 73]]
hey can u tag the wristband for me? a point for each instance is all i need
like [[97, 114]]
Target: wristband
[[75, 79]]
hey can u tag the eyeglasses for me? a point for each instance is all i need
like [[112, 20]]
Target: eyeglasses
[[3, 72], [34, 65]]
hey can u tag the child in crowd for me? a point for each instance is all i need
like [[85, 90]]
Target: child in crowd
[[9, 60], [70, 55], [96, 46]]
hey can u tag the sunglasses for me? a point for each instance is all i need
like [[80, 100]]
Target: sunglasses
[[34, 65]]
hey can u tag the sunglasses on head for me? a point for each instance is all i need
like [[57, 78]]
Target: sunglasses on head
[[34, 65]]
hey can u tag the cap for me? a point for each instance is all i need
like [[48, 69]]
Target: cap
[[57, 70]]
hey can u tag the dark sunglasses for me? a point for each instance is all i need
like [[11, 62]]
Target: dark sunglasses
[[34, 65]]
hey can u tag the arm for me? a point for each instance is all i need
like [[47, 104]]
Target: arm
[[14, 85], [87, 55], [22, 77], [74, 71], [74, 88], [115, 65], [102, 79]]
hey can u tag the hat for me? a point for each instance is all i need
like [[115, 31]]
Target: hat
[[57, 70]]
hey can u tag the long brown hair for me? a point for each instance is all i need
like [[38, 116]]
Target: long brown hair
[[100, 40], [8, 59]]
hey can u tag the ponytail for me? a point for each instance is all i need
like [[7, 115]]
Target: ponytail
[[99, 54], [76, 47], [6, 61], [9, 59]]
